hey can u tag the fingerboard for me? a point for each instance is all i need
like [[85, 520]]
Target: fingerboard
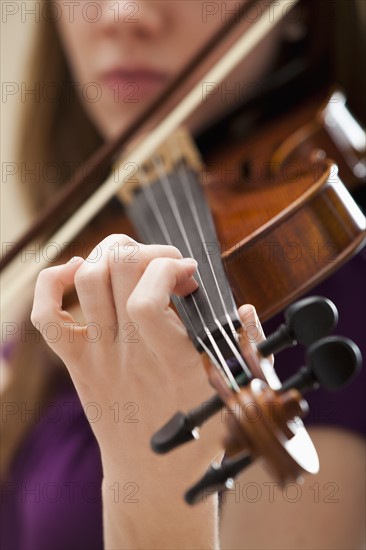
[[173, 210]]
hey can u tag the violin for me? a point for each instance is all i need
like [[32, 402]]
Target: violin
[[167, 205], [265, 257]]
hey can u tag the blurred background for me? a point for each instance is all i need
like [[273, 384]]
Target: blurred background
[[16, 37]]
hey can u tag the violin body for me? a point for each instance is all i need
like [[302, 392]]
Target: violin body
[[264, 192], [292, 236], [269, 139]]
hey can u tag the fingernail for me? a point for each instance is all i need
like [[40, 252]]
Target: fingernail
[[75, 259], [189, 261]]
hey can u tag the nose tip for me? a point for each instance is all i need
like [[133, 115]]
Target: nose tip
[[143, 18]]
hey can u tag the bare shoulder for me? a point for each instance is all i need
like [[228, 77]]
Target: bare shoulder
[[326, 512]]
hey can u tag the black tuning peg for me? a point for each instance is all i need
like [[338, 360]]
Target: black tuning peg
[[307, 321], [331, 363], [182, 428], [216, 477]]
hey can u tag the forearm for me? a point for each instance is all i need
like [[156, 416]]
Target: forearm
[[155, 515]]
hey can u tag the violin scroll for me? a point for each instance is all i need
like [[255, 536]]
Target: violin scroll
[[263, 418]]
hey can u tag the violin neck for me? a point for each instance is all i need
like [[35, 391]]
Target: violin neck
[[173, 211]]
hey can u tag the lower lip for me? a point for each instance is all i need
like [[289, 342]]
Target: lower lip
[[134, 88]]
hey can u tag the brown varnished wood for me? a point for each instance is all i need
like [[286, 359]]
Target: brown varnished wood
[[265, 155], [258, 424], [262, 420], [293, 237]]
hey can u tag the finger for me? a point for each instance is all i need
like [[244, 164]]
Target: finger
[[93, 287], [252, 330], [148, 306], [127, 265], [57, 326]]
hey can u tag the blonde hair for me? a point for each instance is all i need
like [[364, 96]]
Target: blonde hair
[[57, 133], [53, 131]]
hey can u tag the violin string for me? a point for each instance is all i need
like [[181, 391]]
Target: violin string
[[149, 195], [229, 342], [221, 364], [206, 348], [172, 202], [160, 220], [183, 176]]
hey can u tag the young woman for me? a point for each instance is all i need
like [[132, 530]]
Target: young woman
[[54, 469]]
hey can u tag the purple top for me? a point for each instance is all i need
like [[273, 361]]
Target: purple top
[[344, 408], [52, 499]]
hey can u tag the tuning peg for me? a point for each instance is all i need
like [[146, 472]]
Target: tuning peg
[[217, 477], [182, 428], [307, 321], [331, 363]]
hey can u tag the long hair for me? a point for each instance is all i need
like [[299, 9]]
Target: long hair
[[55, 130], [59, 133], [57, 136]]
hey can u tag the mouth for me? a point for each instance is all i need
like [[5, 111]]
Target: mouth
[[133, 84]]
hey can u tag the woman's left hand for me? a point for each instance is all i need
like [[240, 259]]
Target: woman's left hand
[[134, 366]]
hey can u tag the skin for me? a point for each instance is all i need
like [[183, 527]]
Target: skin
[[115, 292], [160, 35], [327, 512], [108, 370]]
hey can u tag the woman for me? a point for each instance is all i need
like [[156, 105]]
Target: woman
[[111, 45]]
